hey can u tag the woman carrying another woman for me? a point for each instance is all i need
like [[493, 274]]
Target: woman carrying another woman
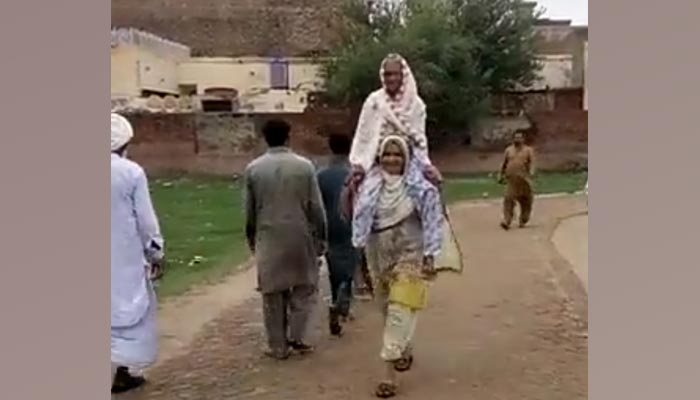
[[401, 230]]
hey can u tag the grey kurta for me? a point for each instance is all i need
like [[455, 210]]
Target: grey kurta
[[285, 219]]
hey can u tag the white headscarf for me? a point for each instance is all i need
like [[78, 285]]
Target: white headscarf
[[122, 132], [402, 103], [394, 204], [382, 116]]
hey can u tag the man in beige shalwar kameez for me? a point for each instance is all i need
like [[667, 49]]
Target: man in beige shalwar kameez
[[517, 171]]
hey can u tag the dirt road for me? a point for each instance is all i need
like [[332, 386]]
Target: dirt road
[[571, 240], [512, 327]]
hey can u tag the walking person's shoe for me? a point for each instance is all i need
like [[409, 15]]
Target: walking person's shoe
[[278, 354], [386, 390], [124, 381], [336, 329], [404, 364], [505, 226], [301, 347], [388, 387]]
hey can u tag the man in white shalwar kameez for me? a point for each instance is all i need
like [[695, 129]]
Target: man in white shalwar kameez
[[136, 254]]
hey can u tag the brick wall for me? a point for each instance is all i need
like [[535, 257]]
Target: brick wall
[[225, 143], [552, 119]]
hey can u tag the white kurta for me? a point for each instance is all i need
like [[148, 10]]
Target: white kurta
[[135, 230]]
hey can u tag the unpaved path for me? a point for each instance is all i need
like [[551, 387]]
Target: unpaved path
[[571, 240], [511, 327]]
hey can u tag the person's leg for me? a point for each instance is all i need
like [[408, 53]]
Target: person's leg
[[525, 209], [301, 305], [363, 280], [333, 309], [399, 327], [275, 320], [508, 208], [344, 299]]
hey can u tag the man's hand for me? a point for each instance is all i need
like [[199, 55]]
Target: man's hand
[[157, 270], [432, 174], [321, 248]]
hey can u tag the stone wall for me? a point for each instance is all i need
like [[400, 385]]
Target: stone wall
[[234, 27]]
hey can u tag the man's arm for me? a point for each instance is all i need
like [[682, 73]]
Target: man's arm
[[531, 162], [419, 135], [504, 165], [249, 208], [316, 211], [147, 221], [362, 152]]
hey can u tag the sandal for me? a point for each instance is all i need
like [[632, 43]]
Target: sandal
[[404, 364], [386, 390]]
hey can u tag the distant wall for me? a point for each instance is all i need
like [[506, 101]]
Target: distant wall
[[223, 143]]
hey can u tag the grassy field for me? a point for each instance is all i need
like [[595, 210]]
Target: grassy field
[[202, 221]]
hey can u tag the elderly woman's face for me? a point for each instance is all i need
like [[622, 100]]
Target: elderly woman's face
[[392, 159], [393, 76]]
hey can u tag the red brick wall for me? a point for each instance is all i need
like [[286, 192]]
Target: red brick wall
[[203, 143]]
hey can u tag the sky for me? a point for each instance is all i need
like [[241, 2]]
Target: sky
[[575, 10]]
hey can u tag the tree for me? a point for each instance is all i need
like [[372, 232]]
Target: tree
[[460, 51]]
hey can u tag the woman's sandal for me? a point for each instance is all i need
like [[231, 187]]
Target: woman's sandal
[[404, 364], [386, 390]]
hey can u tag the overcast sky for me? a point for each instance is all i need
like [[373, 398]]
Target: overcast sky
[[575, 10]]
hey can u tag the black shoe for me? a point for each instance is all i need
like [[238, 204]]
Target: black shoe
[[334, 323], [335, 328], [301, 347], [505, 226], [124, 381]]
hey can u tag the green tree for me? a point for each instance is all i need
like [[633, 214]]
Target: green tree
[[460, 51]]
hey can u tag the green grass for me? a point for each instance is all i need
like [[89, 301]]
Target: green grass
[[202, 221], [485, 186]]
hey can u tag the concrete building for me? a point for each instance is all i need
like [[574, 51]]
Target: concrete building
[[152, 73], [561, 47]]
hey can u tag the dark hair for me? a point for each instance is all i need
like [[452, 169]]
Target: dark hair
[[120, 151], [340, 144], [276, 132]]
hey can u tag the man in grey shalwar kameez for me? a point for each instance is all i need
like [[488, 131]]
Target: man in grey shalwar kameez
[[286, 230], [136, 253]]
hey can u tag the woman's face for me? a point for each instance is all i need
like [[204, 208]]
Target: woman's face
[[393, 76], [392, 159]]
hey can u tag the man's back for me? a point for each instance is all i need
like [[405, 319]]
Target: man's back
[[331, 182], [281, 183], [286, 217]]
